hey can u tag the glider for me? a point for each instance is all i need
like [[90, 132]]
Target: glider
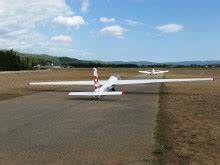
[[106, 87], [154, 72]]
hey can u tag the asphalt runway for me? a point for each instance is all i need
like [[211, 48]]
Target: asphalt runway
[[51, 127]]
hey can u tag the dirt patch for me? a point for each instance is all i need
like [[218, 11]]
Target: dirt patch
[[188, 129]]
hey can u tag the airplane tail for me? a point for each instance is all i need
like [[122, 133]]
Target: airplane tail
[[96, 79]]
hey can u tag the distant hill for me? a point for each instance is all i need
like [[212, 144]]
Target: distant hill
[[188, 63], [184, 63], [139, 63], [44, 57], [37, 55], [68, 60], [33, 60], [54, 59]]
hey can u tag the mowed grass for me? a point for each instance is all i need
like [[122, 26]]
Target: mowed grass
[[14, 85], [188, 122]]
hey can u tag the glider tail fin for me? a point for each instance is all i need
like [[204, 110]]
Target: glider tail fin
[[96, 79]]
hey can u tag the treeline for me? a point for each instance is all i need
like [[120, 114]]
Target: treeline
[[13, 61], [92, 64], [180, 66], [67, 62], [10, 61]]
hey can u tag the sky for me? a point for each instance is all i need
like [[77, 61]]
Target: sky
[[113, 30]]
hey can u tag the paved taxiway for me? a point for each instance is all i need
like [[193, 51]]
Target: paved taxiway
[[49, 127]]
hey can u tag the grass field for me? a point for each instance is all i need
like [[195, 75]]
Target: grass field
[[188, 127]]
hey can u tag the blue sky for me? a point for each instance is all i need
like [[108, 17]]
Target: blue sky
[[124, 30]]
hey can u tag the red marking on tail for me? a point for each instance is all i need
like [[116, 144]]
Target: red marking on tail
[[95, 79], [123, 92], [96, 82]]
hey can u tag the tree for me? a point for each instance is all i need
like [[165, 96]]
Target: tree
[[9, 61]]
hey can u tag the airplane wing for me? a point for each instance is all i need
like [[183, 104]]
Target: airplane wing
[[110, 93], [121, 82], [150, 81], [146, 72], [165, 71], [67, 83]]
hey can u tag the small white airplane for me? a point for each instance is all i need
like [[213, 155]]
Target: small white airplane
[[154, 72], [106, 87]]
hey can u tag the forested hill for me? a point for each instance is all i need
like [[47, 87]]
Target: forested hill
[[11, 60], [66, 60], [40, 57]]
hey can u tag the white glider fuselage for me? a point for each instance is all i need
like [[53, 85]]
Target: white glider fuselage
[[108, 85], [100, 90]]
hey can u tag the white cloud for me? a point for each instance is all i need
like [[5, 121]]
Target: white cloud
[[170, 28], [62, 39], [19, 15], [115, 30], [85, 6], [71, 21], [133, 23], [19, 19], [57, 45], [19, 22], [106, 20], [13, 44]]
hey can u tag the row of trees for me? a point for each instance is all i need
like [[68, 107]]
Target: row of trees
[[92, 64], [10, 61]]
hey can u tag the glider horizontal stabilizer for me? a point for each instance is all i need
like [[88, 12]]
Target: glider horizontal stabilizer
[[96, 93]]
